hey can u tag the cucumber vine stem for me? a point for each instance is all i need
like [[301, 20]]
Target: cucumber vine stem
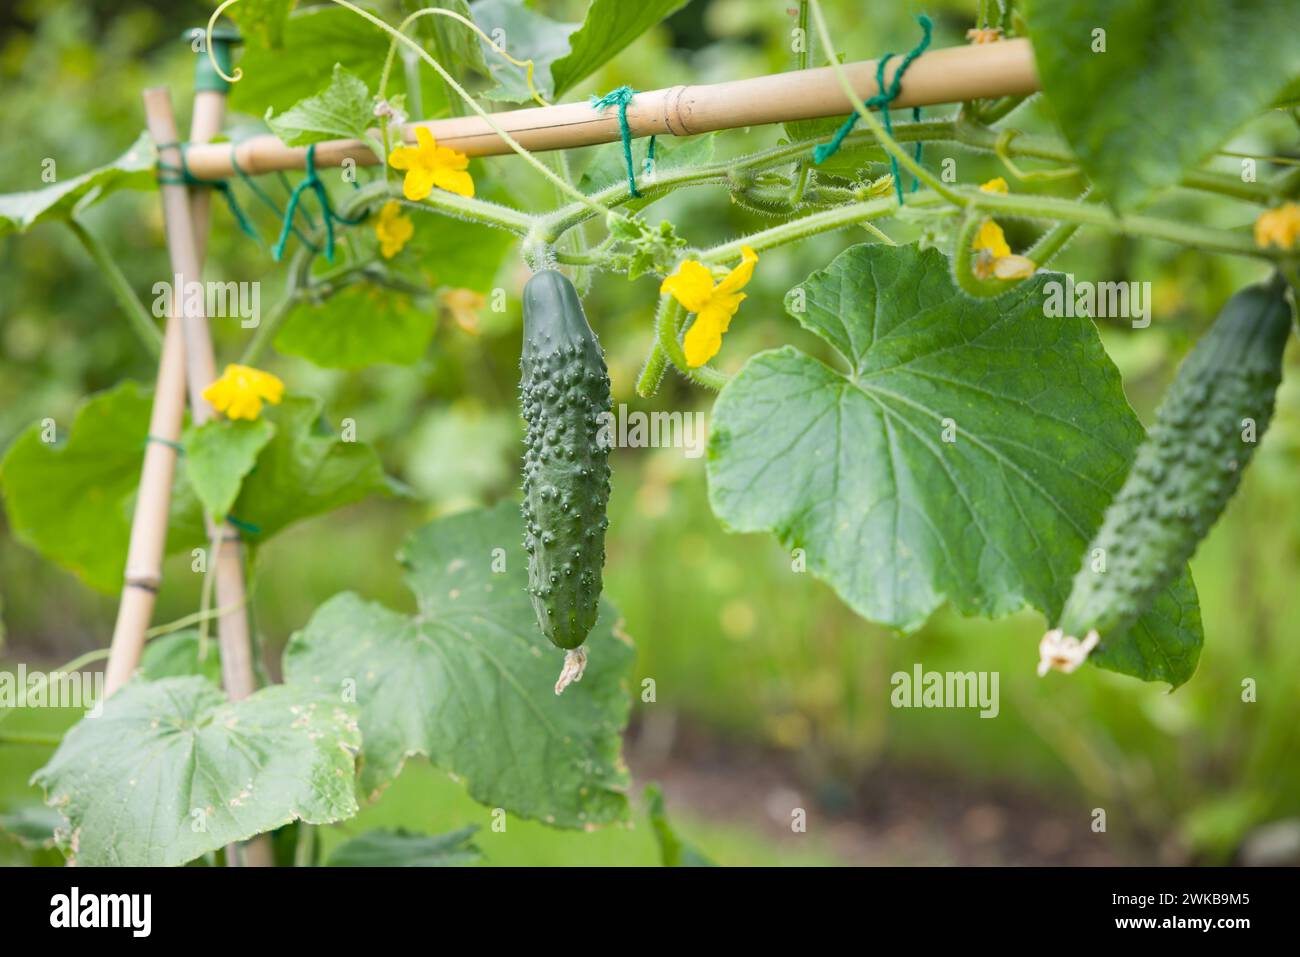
[[667, 345], [136, 314]]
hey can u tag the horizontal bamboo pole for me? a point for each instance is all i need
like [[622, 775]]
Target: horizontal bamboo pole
[[950, 75]]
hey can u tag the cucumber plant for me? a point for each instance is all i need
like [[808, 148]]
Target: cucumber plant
[[948, 440]]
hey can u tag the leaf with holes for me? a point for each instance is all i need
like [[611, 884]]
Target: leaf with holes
[[171, 770], [966, 451], [469, 680]]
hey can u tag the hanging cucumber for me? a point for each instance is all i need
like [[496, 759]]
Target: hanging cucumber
[[1206, 430], [564, 392]]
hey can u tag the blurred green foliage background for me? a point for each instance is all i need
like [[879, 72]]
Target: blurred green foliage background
[[770, 693]]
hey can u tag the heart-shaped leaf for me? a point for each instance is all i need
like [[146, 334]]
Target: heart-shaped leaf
[[469, 680], [966, 452]]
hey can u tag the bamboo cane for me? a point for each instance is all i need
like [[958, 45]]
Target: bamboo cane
[[149, 524], [153, 501], [950, 75], [236, 660]]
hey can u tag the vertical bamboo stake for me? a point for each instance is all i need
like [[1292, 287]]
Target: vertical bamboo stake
[[149, 524], [183, 249]]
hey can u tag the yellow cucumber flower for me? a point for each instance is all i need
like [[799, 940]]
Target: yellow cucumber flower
[[993, 257], [1278, 227], [692, 286], [240, 391], [428, 165], [990, 239], [464, 306], [393, 229]]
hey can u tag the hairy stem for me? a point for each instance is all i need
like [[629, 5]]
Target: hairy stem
[[1029, 146], [724, 173], [1052, 208], [797, 229]]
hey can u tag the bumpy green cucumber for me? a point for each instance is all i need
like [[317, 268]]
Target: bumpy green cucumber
[[1206, 430], [564, 390]]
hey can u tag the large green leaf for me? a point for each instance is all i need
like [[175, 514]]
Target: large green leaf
[[401, 848], [306, 469], [849, 161], [357, 327], [72, 500], [854, 465], [452, 44], [134, 169], [262, 21], [469, 680], [365, 324], [171, 770], [314, 41], [1176, 78], [451, 253], [342, 111], [610, 26], [218, 454], [563, 54]]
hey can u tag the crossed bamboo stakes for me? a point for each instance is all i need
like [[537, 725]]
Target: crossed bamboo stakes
[[188, 365]]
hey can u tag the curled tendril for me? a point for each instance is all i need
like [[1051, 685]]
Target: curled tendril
[[1002, 147], [207, 43]]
